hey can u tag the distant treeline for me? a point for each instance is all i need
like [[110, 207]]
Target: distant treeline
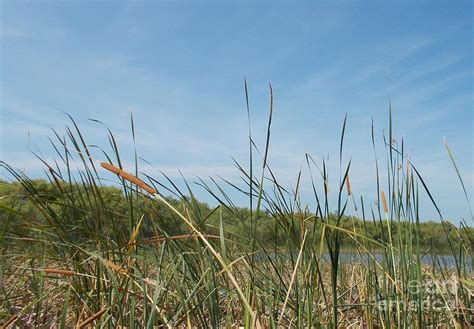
[[88, 212]]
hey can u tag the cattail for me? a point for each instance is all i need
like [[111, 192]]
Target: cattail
[[115, 267], [384, 202], [9, 321], [129, 177], [348, 185], [59, 271], [91, 319]]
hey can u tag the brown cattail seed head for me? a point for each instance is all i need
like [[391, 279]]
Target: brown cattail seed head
[[348, 185], [384, 202], [132, 179]]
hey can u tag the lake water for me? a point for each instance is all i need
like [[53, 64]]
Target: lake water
[[440, 261]]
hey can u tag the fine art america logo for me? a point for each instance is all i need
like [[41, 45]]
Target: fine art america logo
[[432, 294]]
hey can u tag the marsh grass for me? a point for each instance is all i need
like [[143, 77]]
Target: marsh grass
[[80, 266]]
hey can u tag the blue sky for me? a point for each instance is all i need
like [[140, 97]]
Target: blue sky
[[179, 67]]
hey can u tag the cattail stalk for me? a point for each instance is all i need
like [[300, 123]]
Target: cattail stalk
[[59, 271]]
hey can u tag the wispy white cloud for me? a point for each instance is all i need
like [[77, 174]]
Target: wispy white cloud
[[14, 33]]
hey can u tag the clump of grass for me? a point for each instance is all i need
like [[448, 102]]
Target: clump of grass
[[82, 263]]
